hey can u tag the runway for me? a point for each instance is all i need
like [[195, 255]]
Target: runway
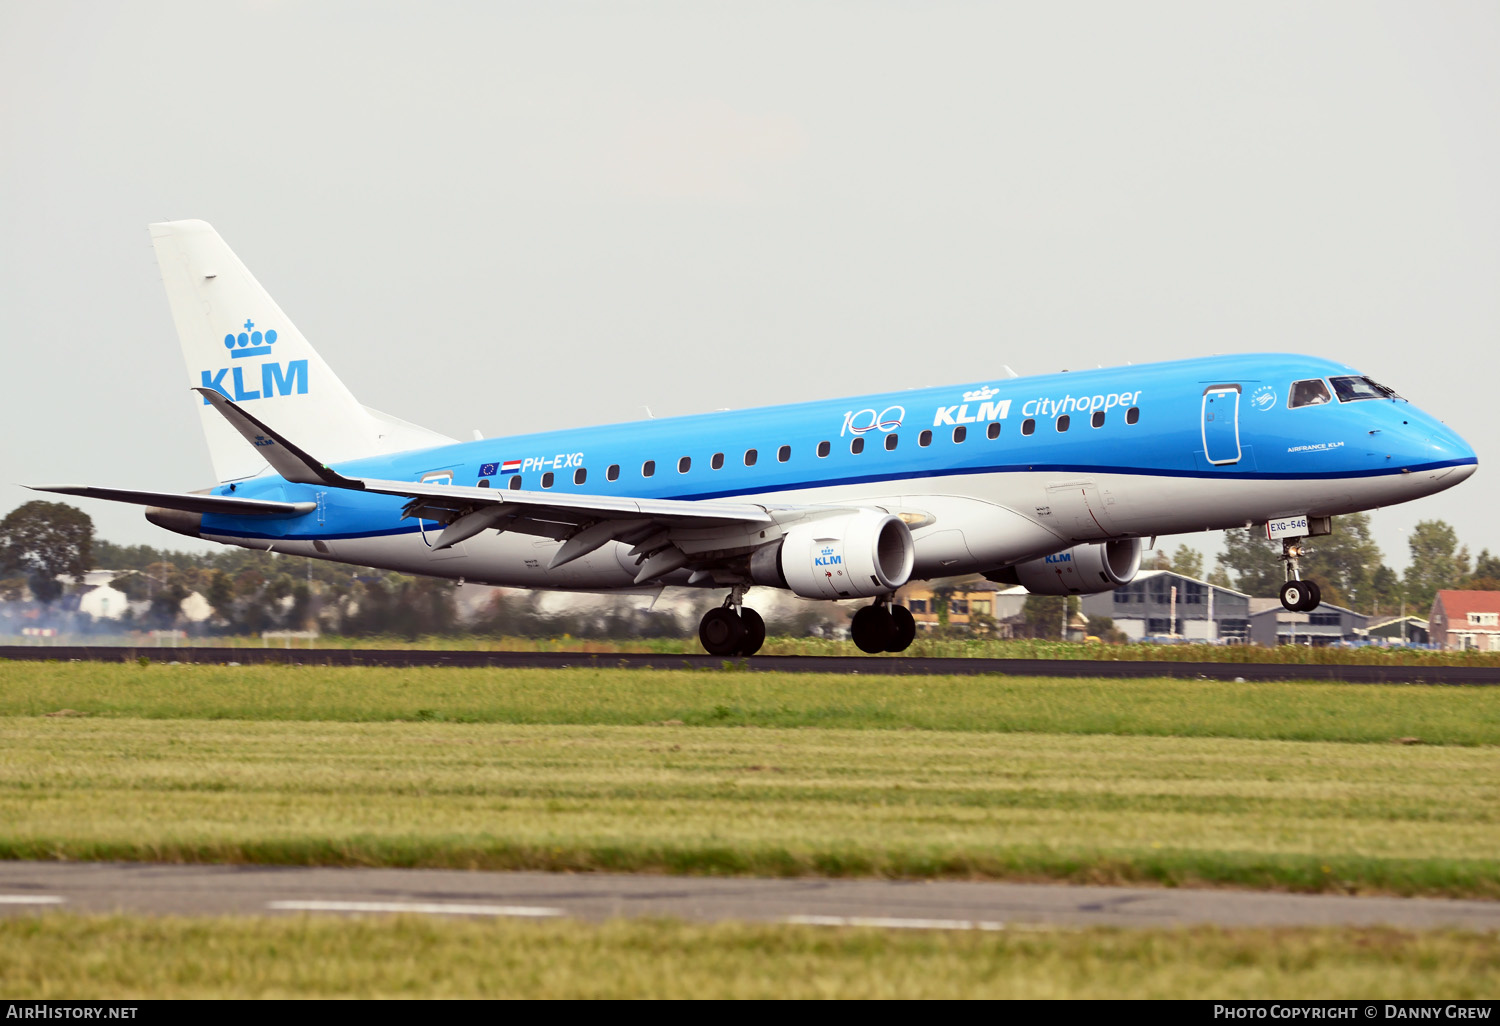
[[899, 665], [151, 889]]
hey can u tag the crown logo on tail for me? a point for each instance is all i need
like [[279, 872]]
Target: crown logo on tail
[[249, 342]]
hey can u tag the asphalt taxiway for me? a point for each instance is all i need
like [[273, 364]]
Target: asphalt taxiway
[[212, 890]]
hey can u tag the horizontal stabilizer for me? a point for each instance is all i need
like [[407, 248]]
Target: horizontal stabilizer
[[226, 505]]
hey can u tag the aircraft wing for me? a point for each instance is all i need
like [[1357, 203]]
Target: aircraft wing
[[429, 499], [227, 505], [666, 534]]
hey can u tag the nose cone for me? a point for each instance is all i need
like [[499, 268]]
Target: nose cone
[[1446, 446], [1442, 458]]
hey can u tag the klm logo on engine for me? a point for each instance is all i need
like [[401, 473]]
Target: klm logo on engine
[[827, 558], [274, 379], [1060, 557]]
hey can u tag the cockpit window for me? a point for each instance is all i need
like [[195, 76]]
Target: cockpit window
[[1311, 392], [1352, 389]]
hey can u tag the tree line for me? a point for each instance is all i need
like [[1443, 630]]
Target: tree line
[[248, 590]]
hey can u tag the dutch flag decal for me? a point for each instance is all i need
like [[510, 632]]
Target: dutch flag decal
[[510, 467]]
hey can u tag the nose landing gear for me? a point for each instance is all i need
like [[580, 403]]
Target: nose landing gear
[[733, 628], [883, 627], [1297, 595]]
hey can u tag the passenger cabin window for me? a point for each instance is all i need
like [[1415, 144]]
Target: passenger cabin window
[[484, 482], [1352, 389], [750, 457], [924, 439], [1028, 426], [684, 465], [1311, 392], [547, 479], [515, 483], [959, 434], [1132, 415], [891, 442], [857, 445], [1097, 420], [824, 449], [613, 473], [648, 468], [580, 476], [783, 454], [718, 461], [993, 431], [1063, 422]]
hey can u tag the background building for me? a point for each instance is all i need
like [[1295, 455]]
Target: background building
[[1147, 607], [969, 604], [1270, 624], [1466, 620], [1399, 630]]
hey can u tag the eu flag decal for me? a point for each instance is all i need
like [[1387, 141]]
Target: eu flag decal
[[489, 470]]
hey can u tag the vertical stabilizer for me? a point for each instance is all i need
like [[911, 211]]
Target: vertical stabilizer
[[237, 341]]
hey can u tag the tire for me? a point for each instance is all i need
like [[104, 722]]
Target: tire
[[872, 629], [1293, 594], [720, 632], [755, 631], [906, 629], [1314, 597]]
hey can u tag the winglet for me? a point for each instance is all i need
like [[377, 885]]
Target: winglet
[[285, 458]]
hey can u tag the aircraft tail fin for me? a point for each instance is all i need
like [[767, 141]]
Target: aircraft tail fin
[[238, 342]]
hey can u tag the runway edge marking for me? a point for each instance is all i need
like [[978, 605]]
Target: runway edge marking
[[419, 907]]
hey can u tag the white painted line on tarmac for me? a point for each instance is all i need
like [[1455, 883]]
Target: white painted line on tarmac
[[421, 907], [30, 899], [893, 923]]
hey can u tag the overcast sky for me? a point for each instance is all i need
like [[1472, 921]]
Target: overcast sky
[[516, 217]]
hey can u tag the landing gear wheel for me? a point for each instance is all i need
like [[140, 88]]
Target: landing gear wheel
[[906, 629], [1314, 596], [872, 629], [1293, 594], [755, 631], [721, 632]]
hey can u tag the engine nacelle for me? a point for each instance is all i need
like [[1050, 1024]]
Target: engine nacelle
[[1081, 570], [858, 555]]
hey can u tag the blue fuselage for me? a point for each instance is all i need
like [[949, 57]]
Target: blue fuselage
[[1204, 443]]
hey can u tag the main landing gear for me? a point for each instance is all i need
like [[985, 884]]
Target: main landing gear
[[1297, 595], [883, 627], [733, 628]]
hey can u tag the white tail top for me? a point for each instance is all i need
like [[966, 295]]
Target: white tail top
[[237, 341]]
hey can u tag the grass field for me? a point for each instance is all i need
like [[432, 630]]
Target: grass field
[[1175, 782], [1311, 787], [1302, 815], [1152, 707], [62, 956], [925, 646]]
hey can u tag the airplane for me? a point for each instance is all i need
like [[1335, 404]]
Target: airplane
[[1053, 482]]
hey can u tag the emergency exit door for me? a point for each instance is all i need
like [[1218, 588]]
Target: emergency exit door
[[1221, 424]]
